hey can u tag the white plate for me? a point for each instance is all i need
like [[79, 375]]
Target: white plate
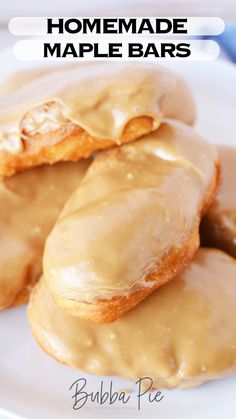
[[34, 386]]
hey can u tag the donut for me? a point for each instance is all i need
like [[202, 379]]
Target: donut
[[132, 224], [30, 202], [182, 335], [72, 111], [218, 227]]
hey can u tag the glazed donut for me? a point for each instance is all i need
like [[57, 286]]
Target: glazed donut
[[75, 110], [182, 335], [218, 227], [132, 224], [30, 202]]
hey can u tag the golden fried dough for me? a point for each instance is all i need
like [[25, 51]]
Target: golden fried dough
[[73, 111], [132, 224], [218, 228], [30, 202], [182, 335]]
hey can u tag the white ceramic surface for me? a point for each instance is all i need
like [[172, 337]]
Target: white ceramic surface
[[34, 386]]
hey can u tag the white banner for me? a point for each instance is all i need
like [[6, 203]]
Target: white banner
[[128, 50], [174, 26]]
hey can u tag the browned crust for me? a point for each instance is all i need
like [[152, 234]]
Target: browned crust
[[216, 233], [28, 278], [106, 311], [69, 143], [21, 298]]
